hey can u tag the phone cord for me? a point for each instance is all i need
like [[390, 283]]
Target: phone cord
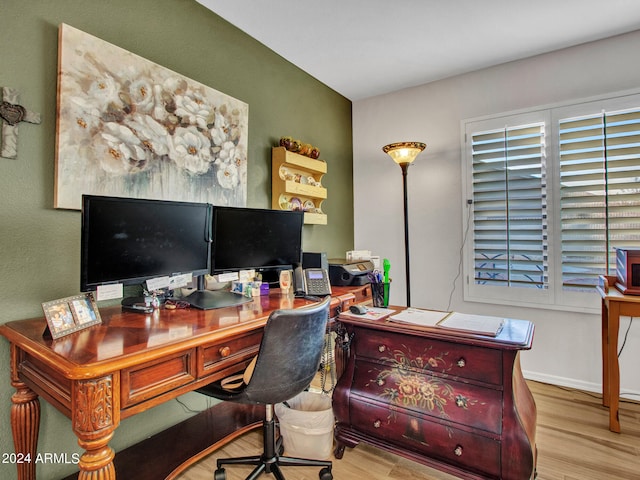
[[328, 365]]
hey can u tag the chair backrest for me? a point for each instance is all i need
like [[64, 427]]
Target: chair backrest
[[290, 353]]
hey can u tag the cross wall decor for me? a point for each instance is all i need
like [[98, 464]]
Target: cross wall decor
[[12, 114]]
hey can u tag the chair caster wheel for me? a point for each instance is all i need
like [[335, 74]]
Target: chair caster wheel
[[325, 474], [220, 474]]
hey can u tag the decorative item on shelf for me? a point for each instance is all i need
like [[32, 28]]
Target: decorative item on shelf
[[296, 146], [404, 153]]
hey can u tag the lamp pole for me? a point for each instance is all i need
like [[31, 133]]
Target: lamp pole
[[405, 169], [404, 153]]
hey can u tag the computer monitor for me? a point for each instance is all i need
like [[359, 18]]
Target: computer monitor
[[131, 240], [252, 238]]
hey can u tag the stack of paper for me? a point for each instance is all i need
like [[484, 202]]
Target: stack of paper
[[416, 316], [479, 324], [461, 322]]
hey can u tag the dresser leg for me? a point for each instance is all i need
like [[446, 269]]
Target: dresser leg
[[25, 425], [342, 441]]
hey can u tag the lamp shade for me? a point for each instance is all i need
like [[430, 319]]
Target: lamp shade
[[404, 152]]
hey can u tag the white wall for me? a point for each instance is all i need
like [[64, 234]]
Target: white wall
[[566, 348]]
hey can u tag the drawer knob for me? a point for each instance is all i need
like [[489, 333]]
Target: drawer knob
[[461, 401], [381, 348], [224, 351], [380, 382], [461, 362], [458, 451], [377, 424]]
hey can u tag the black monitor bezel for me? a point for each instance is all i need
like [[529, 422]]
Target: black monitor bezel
[[87, 199], [265, 267]]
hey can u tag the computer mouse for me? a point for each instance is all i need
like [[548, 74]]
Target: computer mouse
[[358, 309]]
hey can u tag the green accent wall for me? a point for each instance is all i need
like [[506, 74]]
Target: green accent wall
[[39, 245]]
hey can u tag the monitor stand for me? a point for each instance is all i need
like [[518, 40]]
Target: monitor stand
[[128, 301], [210, 299]]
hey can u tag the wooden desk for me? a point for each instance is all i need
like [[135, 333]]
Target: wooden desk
[[614, 305], [128, 364]]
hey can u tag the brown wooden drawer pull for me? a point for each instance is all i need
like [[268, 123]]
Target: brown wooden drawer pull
[[224, 351]]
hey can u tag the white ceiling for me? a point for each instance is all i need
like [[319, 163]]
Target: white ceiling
[[363, 48]]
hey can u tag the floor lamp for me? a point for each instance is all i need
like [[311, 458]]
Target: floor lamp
[[404, 153]]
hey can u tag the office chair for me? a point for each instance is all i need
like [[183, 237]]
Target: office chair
[[287, 361]]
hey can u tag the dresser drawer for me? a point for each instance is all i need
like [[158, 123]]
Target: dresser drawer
[[216, 356], [438, 396], [453, 359], [466, 450]]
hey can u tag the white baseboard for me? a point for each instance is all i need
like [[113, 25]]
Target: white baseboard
[[577, 384]]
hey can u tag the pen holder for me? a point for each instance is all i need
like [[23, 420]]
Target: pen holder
[[380, 294]]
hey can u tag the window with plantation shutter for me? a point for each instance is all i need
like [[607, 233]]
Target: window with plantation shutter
[[599, 159], [509, 206], [549, 195]]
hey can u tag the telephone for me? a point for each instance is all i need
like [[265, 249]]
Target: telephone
[[311, 281]]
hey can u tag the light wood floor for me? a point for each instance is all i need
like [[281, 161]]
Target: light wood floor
[[573, 439]]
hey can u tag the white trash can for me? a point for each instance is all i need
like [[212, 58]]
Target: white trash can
[[306, 425]]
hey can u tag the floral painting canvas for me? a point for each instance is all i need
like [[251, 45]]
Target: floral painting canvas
[[128, 127]]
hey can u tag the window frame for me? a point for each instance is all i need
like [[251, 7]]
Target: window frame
[[492, 293], [554, 297]]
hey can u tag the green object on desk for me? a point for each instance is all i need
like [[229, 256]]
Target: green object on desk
[[386, 266]]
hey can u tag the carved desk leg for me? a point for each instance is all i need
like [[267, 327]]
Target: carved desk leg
[[25, 422], [95, 417]]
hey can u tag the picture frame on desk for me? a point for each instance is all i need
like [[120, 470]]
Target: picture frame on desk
[[70, 314]]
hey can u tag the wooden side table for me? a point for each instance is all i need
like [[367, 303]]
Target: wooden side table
[[614, 305]]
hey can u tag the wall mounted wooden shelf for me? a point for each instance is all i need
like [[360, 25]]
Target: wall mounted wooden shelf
[[296, 184]]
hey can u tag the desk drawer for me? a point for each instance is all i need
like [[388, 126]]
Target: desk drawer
[[426, 394], [151, 379], [463, 449], [218, 356], [453, 359]]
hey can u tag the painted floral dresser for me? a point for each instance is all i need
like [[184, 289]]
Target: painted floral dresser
[[455, 402]]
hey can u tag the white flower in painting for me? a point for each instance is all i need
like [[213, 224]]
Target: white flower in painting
[[220, 130], [103, 91], [152, 134], [227, 152], [227, 164], [84, 117], [141, 94], [227, 175], [161, 99], [192, 110], [190, 150], [119, 151], [102, 95]]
